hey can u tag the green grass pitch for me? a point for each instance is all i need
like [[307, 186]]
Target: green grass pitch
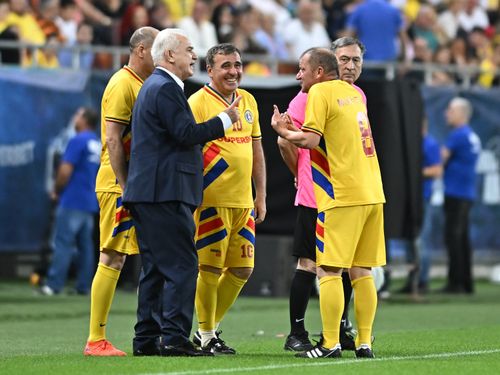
[[437, 335]]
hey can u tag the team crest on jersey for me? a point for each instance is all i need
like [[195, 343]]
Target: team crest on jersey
[[248, 116]]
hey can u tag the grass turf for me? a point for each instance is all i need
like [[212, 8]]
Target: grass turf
[[437, 335]]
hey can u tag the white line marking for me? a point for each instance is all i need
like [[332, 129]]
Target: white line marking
[[326, 362]]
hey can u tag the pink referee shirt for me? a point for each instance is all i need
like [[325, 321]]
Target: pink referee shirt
[[305, 191]]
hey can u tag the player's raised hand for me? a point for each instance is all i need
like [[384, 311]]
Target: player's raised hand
[[281, 121], [233, 111]]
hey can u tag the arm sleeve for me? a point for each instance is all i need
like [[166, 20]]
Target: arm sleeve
[[316, 109], [179, 121]]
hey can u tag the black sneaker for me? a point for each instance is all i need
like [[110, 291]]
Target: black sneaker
[[320, 352], [364, 351], [298, 342], [218, 346], [197, 337]]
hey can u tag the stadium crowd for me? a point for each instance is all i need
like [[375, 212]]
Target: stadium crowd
[[456, 33]]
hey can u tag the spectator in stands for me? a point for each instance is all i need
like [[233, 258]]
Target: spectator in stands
[[440, 76], [74, 187], [223, 20], [306, 31], [113, 11], [381, 41], [8, 32], [159, 16], [47, 15], [481, 55], [458, 49], [84, 36], [460, 155], [46, 56], [268, 37], [246, 24], [422, 55], [135, 17], [277, 9], [66, 21], [476, 43], [200, 29], [473, 16], [179, 9], [496, 60], [448, 20], [22, 18], [426, 27], [335, 16]]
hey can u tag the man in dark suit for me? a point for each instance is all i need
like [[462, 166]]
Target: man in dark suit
[[163, 189]]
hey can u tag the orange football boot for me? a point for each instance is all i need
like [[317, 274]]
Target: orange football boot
[[102, 348]]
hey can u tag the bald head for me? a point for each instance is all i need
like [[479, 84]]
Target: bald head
[[140, 59], [459, 112], [144, 35], [325, 58]]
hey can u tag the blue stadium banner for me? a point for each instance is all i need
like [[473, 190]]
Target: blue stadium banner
[[35, 110]]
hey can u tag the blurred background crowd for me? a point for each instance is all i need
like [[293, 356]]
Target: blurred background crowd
[[451, 35]]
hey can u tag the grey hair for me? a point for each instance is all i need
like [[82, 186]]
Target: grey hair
[[347, 41], [165, 40], [464, 105]]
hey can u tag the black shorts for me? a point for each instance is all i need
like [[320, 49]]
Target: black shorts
[[304, 241]]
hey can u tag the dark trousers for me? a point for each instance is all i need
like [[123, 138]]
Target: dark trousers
[[167, 285], [458, 244]]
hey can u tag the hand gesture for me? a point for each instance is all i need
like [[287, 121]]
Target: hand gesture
[[281, 121], [232, 110]]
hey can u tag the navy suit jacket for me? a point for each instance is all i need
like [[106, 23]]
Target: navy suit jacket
[[166, 160]]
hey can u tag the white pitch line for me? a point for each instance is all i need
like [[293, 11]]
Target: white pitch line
[[325, 362]]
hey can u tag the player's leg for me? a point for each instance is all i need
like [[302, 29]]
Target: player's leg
[[370, 252], [117, 238], [238, 266], [304, 248], [212, 236], [336, 233]]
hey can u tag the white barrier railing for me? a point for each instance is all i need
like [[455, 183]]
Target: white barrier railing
[[388, 70]]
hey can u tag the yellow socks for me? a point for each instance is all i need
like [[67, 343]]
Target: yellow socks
[[206, 299], [331, 304], [101, 297], [365, 306], [228, 289]]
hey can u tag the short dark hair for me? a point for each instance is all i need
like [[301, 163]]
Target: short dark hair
[[323, 57], [90, 117], [347, 41], [220, 49]]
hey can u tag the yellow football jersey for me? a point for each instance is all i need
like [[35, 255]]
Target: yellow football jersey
[[227, 161], [344, 165], [117, 103]]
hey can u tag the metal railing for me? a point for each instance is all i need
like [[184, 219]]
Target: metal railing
[[117, 56]]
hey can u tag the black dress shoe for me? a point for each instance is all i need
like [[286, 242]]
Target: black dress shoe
[[186, 349], [147, 352]]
